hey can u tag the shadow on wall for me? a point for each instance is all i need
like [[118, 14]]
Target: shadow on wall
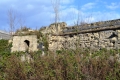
[[113, 35]]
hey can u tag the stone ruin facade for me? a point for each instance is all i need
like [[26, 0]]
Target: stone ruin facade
[[91, 36], [24, 43], [52, 28], [29, 42], [95, 40], [95, 36]]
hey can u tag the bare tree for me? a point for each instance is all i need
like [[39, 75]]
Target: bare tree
[[56, 6], [12, 20], [21, 22], [15, 21]]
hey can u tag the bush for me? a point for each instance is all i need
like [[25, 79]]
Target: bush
[[3, 45], [5, 48], [66, 65]]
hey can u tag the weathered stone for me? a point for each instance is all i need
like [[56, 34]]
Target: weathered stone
[[114, 39], [102, 46], [92, 39], [23, 43]]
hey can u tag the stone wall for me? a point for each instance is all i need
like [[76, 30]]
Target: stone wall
[[54, 28], [105, 34], [94, 40], [24, 43], [92, 36]]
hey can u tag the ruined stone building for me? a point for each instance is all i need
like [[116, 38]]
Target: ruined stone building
[[28, 42], [23, 43], [105, 34]]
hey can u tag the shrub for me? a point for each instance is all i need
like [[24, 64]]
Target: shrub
[[67, 65]]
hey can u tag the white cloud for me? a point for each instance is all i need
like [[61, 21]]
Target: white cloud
[[67, 1], [30, 6], [69, 15], [72, 16], [88, 6], [113, 6], [102, 16], [40, 12]]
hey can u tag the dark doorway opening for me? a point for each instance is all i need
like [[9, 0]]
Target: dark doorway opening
[[27, 42], [113, 35]]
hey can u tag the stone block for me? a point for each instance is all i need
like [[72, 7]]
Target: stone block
[[19, 43]]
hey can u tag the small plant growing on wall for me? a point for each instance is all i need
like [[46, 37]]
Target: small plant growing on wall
[[45, 42], [43, 39]]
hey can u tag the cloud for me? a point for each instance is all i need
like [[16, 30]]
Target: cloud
[[30, 6], [103, 16], [67, 1], [69, 15], [37, 13], [88, 17], [113, 6], [88, 6]]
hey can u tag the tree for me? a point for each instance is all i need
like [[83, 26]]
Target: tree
[[21, 22], [56, 6], [12, 20]]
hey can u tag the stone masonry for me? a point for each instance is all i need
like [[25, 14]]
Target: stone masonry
[[96, 40], [92, 36], [24, 43], [95, 36]]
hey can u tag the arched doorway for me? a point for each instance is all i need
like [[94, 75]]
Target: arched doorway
[[27, 42]]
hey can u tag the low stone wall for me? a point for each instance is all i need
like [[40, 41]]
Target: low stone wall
[[108, 39]]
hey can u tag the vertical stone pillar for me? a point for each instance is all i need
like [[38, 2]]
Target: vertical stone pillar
[[117, 43]]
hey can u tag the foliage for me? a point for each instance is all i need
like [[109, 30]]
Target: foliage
[[5, 48], [3, 44], [23, 29], [45, 42], [44, 38], [67, 65]]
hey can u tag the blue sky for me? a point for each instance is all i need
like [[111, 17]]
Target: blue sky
[[38, 13]]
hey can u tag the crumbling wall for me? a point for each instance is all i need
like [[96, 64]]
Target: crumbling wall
[[93, 36], [24, 43], [105, 34], [54, 28], [108, 39]]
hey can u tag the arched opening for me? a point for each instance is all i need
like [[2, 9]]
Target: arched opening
[[27, 42]]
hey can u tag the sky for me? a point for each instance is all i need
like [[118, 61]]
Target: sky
[[38, 13]]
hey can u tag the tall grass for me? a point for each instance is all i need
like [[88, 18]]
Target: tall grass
[[67, 65]]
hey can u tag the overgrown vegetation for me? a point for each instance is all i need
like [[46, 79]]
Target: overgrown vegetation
[[67, 65], [5, 47], [26, 31]]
